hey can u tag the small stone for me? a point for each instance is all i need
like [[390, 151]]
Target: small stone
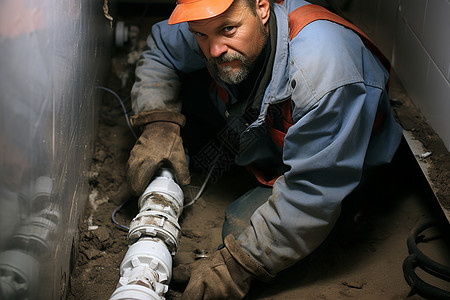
[[102, 234], [92, 253]]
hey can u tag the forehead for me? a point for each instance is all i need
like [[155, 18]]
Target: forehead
[[236, 13]]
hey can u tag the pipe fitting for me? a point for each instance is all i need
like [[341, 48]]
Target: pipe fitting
[[42, 192], [37, 231], [163, 194], [19, 272], [29, 244], [134, 292], [155, 224], [34, 234], [147, 263]]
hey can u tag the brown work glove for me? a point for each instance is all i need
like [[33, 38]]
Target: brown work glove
[[226, 274], [159, 143]]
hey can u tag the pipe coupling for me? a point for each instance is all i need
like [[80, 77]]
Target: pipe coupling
[[155, 224]]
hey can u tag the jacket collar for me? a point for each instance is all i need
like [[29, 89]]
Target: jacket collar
[[278, 88]]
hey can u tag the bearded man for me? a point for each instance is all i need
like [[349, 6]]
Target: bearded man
[[308, 101]]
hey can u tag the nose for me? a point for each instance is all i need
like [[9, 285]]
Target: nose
[[217, 47]]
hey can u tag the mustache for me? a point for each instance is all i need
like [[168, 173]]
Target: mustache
[[224, 58]]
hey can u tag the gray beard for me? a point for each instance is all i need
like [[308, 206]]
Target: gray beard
[[226, 74]]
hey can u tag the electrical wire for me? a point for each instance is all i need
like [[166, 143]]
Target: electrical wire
[[213, 166], [123, 107], [200, 192], [109, 113], [113, 217]]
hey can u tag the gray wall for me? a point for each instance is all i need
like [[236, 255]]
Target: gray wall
[[51, 57], [415, 35], [422, 59]]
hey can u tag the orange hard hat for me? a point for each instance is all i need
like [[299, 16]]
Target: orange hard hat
[[191, 10]]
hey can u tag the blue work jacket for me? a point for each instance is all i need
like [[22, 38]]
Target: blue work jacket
[[335, 85]]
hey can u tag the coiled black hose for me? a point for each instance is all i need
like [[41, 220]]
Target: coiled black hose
[[418, 259]]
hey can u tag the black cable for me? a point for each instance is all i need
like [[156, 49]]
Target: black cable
[[418, 285], [125, 112], [418, 259], [424, 261], [123, 108]]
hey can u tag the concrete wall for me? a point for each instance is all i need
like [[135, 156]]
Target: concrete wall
[[422, 59], [414, 34], [52, 55]]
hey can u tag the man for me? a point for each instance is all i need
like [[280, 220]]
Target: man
[[318, 94]]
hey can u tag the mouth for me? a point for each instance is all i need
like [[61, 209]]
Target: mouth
[[228, 63]]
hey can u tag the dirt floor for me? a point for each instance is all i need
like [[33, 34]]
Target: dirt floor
[[363, 260]]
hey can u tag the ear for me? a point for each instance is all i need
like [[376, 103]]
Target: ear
[[263, 10]]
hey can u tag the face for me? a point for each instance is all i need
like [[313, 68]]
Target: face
[[233, 40]]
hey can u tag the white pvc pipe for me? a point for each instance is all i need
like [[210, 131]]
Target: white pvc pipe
[[147, 263], [172, 194], [134, 292], [146, 269], [29, 244], [19, 274]]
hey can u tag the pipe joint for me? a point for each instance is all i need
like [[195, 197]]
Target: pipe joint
[[148, 264], [163, 194], [155, 224]]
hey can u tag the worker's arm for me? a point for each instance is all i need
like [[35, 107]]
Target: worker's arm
[[156, 104], [172, 49]]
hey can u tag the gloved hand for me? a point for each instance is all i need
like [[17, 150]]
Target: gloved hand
[[226, 274], [159, 143]]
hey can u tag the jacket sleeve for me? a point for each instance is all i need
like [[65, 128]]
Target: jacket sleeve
[[325, 151], [172, 50]]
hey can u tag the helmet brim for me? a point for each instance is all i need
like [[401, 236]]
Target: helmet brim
[[194, 10]]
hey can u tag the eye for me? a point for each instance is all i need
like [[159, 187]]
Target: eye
[[229, 29], [199, 34]]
